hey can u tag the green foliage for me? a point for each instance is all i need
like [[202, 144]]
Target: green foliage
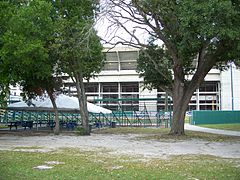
[[213, 22], [189, 29], [154, 58], [77, 44], [26, 45], [4, 91], [6, 13]]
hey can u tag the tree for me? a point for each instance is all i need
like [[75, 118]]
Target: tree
[[5, 15], [78, 47], [26, 49], [33, 87], [186, 38]]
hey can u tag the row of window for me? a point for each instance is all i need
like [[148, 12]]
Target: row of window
[[112, 87], [208, 96], [208, 86], [118, 61], [207, 91]]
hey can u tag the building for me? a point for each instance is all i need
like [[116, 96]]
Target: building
[[118, 84]]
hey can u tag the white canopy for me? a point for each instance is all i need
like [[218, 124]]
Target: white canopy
[[63, 101]]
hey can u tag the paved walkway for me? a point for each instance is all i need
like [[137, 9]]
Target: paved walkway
[[213, 131]]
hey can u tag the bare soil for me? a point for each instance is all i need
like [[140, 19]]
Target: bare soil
[[114, 144]]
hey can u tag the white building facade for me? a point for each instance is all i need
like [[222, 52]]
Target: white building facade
[[119, 84]]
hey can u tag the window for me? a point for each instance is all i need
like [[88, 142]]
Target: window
[[208, 86], [109, 87], [128, 60], [128, 65], [111, 57], [207, 107], [129, 87], [111, 62], [128, 55], [207, 98], [110, 96], [91, 87], [130, 98], [191, 107], [111, 66]]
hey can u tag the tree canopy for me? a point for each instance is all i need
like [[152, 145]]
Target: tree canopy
[[78, 46], [42, 38], [185, 38], [25, 44]]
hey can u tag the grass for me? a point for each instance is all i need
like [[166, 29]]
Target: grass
[[162, 134], [103, 164], [131, 130], [2, 126], [27, 147], [187, 119], [98, 165], [232, 127]]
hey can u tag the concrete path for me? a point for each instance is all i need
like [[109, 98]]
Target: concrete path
[[213, 131]]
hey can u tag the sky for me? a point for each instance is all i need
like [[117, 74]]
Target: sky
[[107, 30]]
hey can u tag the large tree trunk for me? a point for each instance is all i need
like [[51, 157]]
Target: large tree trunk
[[177, 126], [82, 103], [57, 127], [180, 104], [181, 95]]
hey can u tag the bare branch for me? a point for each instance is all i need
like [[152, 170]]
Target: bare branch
[[166, 89]]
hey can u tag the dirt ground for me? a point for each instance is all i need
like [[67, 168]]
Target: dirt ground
[[120, 144]]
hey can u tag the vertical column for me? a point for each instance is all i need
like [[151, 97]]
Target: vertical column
[[99, 92], [219, 96], [119, 95], [197, 99], [231, 80]]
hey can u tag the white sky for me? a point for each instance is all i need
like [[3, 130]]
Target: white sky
[[106, 30]]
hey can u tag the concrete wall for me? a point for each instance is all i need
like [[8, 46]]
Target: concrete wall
[[227, 102]]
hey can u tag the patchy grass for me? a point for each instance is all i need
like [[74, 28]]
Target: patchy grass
[[187, 119], [132, 130], [28, 147], [192, 135], [97, 165], [162, 134], [232, 127]]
